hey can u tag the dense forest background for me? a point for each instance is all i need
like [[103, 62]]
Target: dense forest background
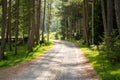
[[30, 22], [23, 22], [94, 21], [27, 26]]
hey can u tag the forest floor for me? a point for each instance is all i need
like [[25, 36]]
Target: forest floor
[[63, 62]]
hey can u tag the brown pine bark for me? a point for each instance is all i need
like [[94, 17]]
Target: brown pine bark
[[117, 11], [109, 22], [43, 27], [104, 18], [38, 21], [9, 26], [16, 25], [30, 14], [4, 11], [93, 4], [30, 42], [34, 20], [85, 15]]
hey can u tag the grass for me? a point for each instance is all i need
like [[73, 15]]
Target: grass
[[104, 68], [23, 55]]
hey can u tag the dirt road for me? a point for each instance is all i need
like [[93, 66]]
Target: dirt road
[[63, 62]]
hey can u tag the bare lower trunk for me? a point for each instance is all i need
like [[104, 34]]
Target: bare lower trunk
[[109, 22], [49, 19], [43, 21], [38, 22], [104, 18], [66, 25], [4, 11], [85, 6], [17, 24], [32, 24], [9, 26]]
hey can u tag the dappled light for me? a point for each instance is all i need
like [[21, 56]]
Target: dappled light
[[60, 39]]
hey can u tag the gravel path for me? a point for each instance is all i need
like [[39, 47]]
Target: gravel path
[[63, 62]]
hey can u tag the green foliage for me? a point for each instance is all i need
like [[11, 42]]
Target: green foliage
[[24, 55], [47, 43], [52, 35], [114, 53], [101, 64], [58, 34], [71, 12]]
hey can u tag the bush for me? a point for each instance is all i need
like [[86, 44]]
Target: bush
[[48, 43], [44, 42], [114, 54]]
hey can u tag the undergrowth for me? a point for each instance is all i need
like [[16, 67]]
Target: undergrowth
[[100, 62], [24, 55]]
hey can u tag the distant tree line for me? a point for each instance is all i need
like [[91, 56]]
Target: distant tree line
[[95, 21], [22, 23]]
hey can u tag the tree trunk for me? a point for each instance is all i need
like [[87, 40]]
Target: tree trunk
[[9, 26], [85, 6], [104, 15], [117, 10], [79, 24], [66, 25], [93, 22], [30, 14], [30, 42], [34, 20], [104, 18], [16, 25], [109, 22], [4, 11], [43, 21], [38, 21], [49, 18], [69, 28]]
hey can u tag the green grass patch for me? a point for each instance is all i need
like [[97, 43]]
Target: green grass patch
[[104, 68], [24, 55]]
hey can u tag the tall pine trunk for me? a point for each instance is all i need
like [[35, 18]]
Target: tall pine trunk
[[85, 15], [43, 28], [49, 17], [30, 42], [9, 26], [66, 24], [16, 25], [38, 21], [109, 22], [104, 19], [117, 11], [4, 11]]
